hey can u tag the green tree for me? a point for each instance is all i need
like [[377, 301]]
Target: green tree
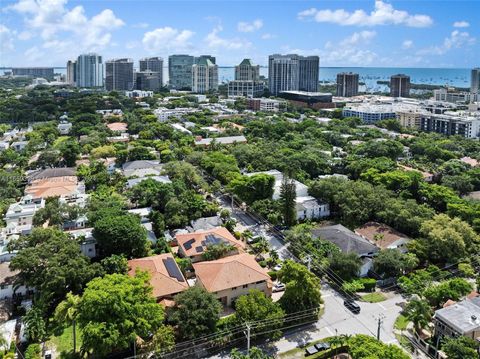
[[302, 288], [256, 306], [452, 289], [115, 264], [447, 240], [460, 348], [419, 312], [115, 310], [66, 313], [393, 263], [196, 313], [52, 263], [288, 196], [34, 351], [363, 347], [121, 235], [35, 326], [217, 251], [346, 265], [69, 150], [255, 353]]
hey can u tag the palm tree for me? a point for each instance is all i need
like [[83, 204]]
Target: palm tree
[[67, 311], [35, 325], [419, 312]]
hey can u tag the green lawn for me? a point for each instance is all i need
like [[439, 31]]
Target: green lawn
[[373, 297], [64, 342], [401, 322]]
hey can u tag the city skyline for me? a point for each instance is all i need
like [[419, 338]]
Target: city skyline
[[367, 33]]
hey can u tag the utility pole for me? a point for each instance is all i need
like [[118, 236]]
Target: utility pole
[[380, 319], [248, 337], [308, 259]]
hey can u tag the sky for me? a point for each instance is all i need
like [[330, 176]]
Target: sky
[[343, 33]]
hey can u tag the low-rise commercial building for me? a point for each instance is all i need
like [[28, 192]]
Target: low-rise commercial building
[[315, 100]]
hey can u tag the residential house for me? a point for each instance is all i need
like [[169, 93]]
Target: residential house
[[8, 289], [462, 318], [230, 277], [142, 168], [64, 127], [117, 127], [204, 223], [19, 216], [50, 173], [19, 145], [230, 140], [193, 245], [427, 177], [4, 145], [166, 277], [348, 242], [88, 244], [66, 187], [307, 207], [383, 236]]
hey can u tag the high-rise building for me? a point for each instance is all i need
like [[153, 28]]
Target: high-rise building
[[204, 76], [71, 72], [400, 86], [89, 68], [247, 71], [180, 71], [119, 75], [206, 57], [154, 64], [247, 81], [347, 84], [308, 73], [475, 83], [148, 80], [292, 73], [43, 72]]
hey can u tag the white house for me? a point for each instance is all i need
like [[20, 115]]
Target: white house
[[21, 214], [64, 127], [7, 282], [307, 207]]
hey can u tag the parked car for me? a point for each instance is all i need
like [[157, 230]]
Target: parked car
[[277, 267], [278, 287], [322, 346], [310, 351], [352, 306], [253, 239]]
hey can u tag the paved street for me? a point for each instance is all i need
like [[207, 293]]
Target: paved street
[[336, 318]]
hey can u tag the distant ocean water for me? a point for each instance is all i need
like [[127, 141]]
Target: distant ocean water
[[368, 75]]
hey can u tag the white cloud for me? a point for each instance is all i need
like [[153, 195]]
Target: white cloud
[[141, 25], [244, 26], [461, 24], [383, 14], [214, 41], [25, 35], [456, 40], [166, 38], [348, 52], [268, 36], [62, 28], [6, 38], [407, 44]]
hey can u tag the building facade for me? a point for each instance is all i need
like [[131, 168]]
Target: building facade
[[89, 69], [247, 81], [119, 75], [292, 73], [247, 71], [154, 64], [400, 86], [71, 72], [462, 97], [204, 76], [347, 84], [44, 72], [475, 82], [148, 81], [450, 124], [180, 71]]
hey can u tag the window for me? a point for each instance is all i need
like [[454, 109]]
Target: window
[[234, 288], [245, 286]]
